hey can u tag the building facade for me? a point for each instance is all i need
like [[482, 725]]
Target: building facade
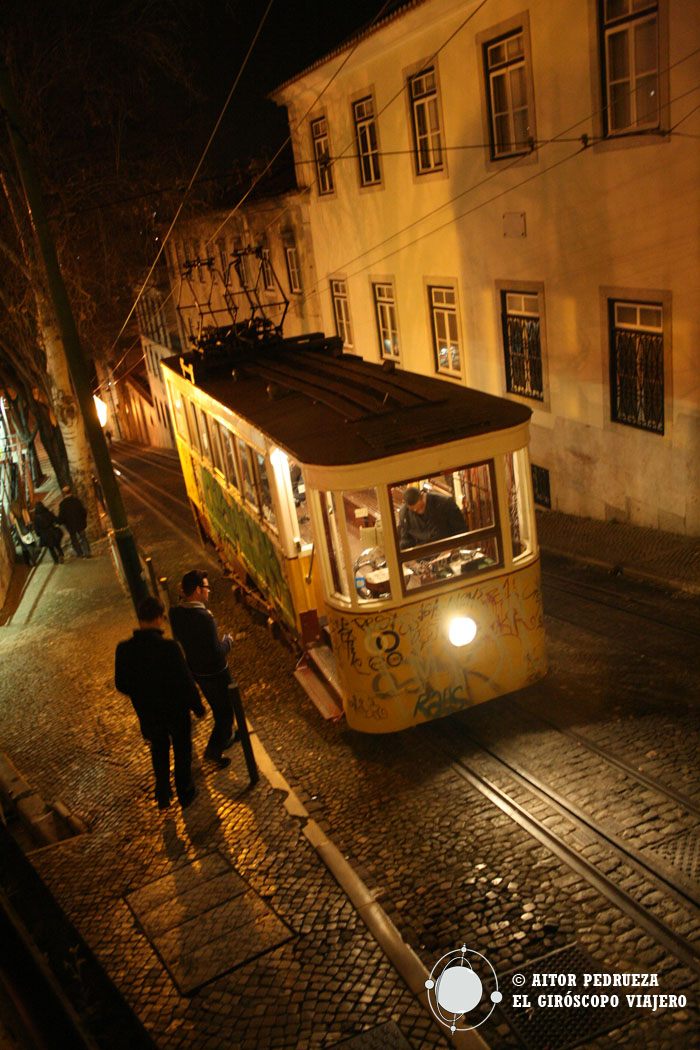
[[509, 197]]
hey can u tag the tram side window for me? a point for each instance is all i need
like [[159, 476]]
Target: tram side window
[[519, 506], [366, 544], [446, 525], [216, 449], [247, 473], [331, 527], [267, 508], [204, 435], [227, 440], [192, 425], [299, 493], [178, 412]]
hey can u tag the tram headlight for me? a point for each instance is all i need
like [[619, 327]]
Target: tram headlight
[[462, 630]]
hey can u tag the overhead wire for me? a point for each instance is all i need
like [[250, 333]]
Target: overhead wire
[[194, 176], [560, 138]]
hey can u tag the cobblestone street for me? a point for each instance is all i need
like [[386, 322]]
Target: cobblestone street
[[221, 926]]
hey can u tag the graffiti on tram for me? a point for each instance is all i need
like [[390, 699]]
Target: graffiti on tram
[[244, 538], [406, 652]]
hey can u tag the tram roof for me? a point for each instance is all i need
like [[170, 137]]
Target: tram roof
[[330, 408]]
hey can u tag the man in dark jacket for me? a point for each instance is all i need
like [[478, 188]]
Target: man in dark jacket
[[73, 515], [427, 517], [152, 671], [196, 631]]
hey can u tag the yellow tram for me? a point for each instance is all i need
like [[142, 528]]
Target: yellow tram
[[307, 466]]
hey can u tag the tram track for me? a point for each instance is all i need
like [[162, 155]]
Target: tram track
[[656, 896]]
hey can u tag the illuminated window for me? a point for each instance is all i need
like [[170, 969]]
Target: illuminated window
[[443, 313]]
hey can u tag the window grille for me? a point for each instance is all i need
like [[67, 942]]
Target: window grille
[[630, 52], [426, 121], [521, 342], [540, 486], [637, 365], [367, 142]]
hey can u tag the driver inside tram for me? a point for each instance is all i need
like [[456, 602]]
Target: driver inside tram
[[426, 517]]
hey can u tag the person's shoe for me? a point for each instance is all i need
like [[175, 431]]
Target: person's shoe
[[188, 798]]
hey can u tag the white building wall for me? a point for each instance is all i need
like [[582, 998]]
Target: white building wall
[[613, 219]]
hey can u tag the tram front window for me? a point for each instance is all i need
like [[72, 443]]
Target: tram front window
[[446, 525], [366, 543], [519, 503]]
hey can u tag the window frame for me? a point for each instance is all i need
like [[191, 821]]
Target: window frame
[[450, 286], [627, 23], [643, 392], [293, 269], [321, 148], [417, 104], [381, 306], [369, 156], [343, 325]]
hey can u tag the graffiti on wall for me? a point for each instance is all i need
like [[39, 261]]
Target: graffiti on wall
[[243, 537], [399, 668]]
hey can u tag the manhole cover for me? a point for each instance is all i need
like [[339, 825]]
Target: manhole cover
[[682, 853], [559, 1028], [383, 1037], [204, 920]]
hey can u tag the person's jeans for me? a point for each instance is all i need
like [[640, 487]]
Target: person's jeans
[[160, 756], [80, 543], [216, 693]]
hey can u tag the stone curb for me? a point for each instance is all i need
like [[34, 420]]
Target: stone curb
[[46, 824], [401, 955]]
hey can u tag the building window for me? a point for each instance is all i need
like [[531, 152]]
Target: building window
[[322, 155], [507, 71], [540, 486], [267, 272], [426, 121], [637, 364], [521, 343], [630, 47], [293, 271], [367, 142], [443, 313], [387, 327], [341, 311]]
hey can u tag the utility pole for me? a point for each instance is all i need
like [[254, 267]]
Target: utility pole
[[123, 536]]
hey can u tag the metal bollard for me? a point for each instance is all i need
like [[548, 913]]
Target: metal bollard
[[237, 704], [152, 574]]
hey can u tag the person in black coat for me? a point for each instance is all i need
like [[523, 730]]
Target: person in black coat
[[73, 515], [48, 530], [196, 631], [427, 517], [151, 670]]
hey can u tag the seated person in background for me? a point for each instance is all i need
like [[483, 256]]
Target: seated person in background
[[426, 517]]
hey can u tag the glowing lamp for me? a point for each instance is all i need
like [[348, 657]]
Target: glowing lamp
[[101, 409], [462, 631]]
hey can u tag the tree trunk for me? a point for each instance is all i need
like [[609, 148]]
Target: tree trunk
[[66, 409]]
